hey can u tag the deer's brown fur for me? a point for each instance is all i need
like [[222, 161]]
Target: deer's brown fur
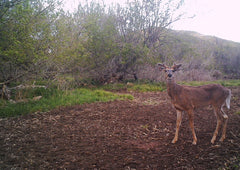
[[187, 98]]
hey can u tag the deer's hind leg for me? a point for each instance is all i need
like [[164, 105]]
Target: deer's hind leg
[[219, 122], [225, 118]]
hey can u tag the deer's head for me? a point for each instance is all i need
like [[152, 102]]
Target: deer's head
[[169, 70]]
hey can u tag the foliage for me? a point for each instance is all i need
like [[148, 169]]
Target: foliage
[[38, 40], [104, 44], [25, 38]]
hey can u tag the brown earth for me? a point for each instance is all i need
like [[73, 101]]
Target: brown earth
[[119, 135]]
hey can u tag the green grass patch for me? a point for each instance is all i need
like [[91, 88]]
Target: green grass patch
[[161, 86], [227, 83], [137, 87], [147, 87], [114, 87], [52, 98]]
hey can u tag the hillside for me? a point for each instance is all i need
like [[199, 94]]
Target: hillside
[[190, 35], [201, 52]]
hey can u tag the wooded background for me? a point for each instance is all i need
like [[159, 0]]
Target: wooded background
[[103, 44]]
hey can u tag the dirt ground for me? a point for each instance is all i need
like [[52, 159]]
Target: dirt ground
[[126, 135]]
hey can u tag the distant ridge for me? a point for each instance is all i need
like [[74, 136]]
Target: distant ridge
[[204, 37], [199, 51]]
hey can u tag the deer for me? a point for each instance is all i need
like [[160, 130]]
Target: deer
[[187, 98]]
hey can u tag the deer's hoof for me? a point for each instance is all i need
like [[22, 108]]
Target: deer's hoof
[[194, 142], [213, 140], [174, 140], [222, 139]]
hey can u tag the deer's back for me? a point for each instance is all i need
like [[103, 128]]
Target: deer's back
[[190, 97]]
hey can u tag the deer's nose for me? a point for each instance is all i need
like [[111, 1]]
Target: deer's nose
[[169, 75]]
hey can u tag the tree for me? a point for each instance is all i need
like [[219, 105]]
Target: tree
[[141, 25], [25, 35], [147, 20], [39, 40], [98, 38]]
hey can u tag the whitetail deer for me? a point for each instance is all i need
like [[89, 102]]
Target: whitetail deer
[[187, 98]]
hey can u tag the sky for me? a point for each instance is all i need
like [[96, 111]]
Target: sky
[[220, 18]]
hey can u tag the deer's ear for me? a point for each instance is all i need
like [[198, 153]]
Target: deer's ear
[[176, 67], [161, 66]]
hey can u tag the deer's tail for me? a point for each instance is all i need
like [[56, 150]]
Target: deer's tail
[[228, 98]]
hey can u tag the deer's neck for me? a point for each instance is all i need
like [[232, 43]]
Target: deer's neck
[[172, 88]]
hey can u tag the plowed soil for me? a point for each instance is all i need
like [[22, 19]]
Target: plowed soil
[[127, 135]]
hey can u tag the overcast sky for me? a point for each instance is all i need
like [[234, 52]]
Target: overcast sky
[[220, 18]]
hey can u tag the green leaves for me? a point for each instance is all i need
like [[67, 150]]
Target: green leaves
[[40, 40], [23, 36]]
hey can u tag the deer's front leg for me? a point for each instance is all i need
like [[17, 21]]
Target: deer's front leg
[[191, 123], [178, 124]]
